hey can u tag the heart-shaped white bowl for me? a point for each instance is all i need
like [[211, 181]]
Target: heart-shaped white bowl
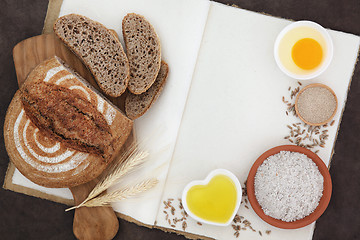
[[205, 182]]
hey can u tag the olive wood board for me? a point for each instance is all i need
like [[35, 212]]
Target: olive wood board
[[89, 223]]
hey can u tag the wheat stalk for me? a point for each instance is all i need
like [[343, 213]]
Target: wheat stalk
[[118, 195], [127, 162], [135, 159]]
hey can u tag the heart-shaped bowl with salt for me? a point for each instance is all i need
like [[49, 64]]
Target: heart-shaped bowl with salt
[[324, 200], [204, 184]]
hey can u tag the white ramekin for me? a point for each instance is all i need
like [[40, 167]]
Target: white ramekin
[[329, 50]]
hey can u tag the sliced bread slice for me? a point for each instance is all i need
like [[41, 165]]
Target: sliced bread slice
[[136, 105], [143, 51], [98, 48]]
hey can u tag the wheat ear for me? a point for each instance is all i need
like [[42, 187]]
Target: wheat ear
[[108, 198], [135, 159]]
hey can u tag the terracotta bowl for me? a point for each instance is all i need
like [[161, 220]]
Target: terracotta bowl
[[311, 86], [324, 201]]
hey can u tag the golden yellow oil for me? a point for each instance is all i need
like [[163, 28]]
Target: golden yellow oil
[[214, 202]]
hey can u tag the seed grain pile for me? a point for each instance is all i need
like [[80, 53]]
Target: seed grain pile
[[302, 134]]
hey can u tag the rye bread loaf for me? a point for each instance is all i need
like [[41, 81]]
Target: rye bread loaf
[[137, 104], [67, 117], [59, 131], [143, 50], [98, 48]]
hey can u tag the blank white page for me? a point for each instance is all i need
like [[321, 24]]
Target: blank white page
[[235, 112]]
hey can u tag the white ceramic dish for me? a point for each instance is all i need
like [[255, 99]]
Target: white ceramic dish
[[205, 182], [328, 52]]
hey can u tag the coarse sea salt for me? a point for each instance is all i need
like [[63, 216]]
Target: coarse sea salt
[[288, 186]]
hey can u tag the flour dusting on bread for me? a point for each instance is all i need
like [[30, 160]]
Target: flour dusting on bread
[[89, 130]]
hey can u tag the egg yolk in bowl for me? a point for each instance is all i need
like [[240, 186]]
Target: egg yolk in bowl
[[307, 53], [302, 50]]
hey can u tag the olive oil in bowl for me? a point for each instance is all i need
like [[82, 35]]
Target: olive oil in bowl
[[214, 200]]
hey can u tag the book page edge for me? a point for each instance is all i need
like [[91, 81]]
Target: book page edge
[[52, 14], [9, 185]]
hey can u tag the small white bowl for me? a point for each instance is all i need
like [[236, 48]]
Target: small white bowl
[[328, 54], [205, 182]]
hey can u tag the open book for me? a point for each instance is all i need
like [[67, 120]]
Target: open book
[[222, 106]]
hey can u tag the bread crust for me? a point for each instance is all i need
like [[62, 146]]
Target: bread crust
[[52, 163], [147, 98], [135, 55], [91, 66], [67, 117]]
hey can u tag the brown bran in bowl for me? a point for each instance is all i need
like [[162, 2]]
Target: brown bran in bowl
[[316, 104]]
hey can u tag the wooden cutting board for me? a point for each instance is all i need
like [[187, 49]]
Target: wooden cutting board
[[89, 223]]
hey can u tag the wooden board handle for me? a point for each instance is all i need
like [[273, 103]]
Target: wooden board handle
[[92, 223]]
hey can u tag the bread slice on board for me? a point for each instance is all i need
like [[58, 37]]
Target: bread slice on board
[[98, 48], [143, 50], [137, 105]]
